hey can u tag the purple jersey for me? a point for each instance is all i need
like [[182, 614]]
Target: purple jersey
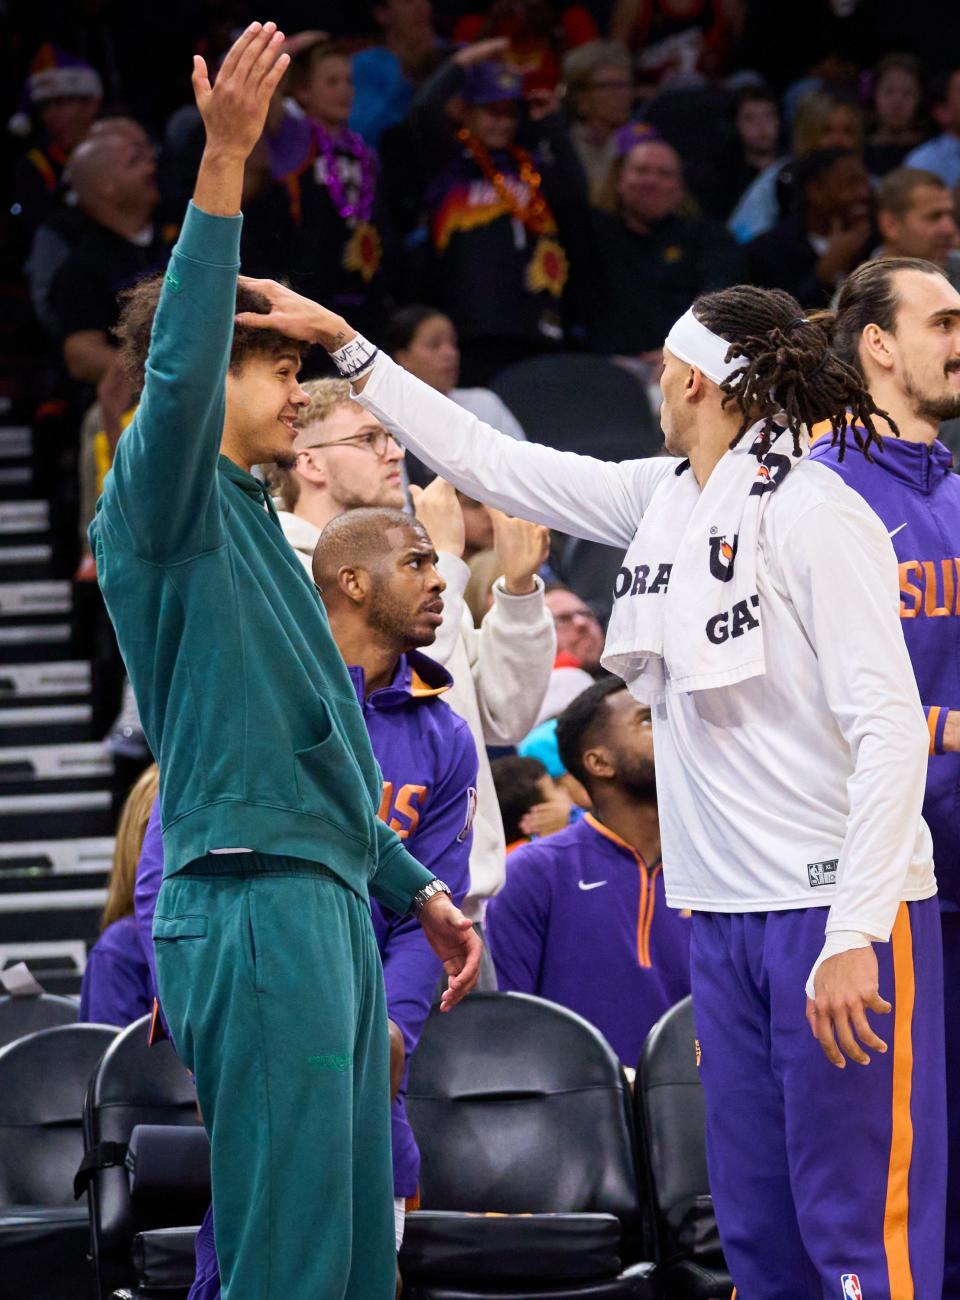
[[429, 763], [913, 489], [117, 986], [583, 920]]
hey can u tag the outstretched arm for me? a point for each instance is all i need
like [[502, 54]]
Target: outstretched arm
[[601, 501], [159, 499]]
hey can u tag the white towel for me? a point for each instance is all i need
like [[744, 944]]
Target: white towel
[[687, 613]]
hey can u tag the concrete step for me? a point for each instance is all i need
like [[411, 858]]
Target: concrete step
[[31, 817], [90, 856], [63, 679], [16, 441], [35, 599], [24, 517], [50, 724], [83, 761]]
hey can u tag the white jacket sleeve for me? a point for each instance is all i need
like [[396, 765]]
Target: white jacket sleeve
[[455, 574], [601, 501], [840, 573], [516, 648]]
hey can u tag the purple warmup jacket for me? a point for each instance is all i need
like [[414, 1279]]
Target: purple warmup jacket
[[582, 920], [913, 489], [429, 764], [117, 987]]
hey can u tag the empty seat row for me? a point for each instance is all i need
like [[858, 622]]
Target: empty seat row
[[543, 1176]]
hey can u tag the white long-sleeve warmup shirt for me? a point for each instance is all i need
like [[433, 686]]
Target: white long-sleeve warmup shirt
[[799, 788]]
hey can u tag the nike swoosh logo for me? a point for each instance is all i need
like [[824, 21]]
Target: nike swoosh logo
[[897, 530], [596, 885]]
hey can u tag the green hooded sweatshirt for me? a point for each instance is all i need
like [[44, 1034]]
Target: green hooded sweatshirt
[[244, 698]]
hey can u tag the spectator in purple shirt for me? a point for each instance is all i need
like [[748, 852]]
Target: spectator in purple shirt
[[582, 919], [117, 986]]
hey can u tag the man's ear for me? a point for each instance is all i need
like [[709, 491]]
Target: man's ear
[[887, 225], [354, 582], [308, 470], [694, 388], [597, 762], [875, 347]]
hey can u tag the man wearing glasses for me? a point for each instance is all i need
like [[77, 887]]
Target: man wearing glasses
[[579, 634], [344, 459]]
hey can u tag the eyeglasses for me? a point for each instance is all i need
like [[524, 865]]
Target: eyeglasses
[[377, 441], [575, 616]]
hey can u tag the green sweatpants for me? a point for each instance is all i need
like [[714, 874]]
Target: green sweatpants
[[270, 980]]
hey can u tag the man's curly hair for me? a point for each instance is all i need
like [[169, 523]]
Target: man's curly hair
[[138, 306]]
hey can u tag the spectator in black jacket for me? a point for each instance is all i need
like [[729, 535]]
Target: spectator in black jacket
[[638, 268], [115, 242], [497, 266], [811, 251]]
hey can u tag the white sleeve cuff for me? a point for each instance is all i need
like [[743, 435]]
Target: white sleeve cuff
[[836, 942]]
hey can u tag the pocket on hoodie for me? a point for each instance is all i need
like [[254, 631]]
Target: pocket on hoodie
[[329, 780]]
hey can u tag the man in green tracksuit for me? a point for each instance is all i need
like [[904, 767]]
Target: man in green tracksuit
[[266, 956]]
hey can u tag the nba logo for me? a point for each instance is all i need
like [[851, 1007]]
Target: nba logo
[[851, 1287]]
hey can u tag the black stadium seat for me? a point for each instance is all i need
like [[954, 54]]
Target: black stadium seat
[[43, 1234], [27, 1014], [670, 1120], [528, 1181], [581, 403], [134, 1085]]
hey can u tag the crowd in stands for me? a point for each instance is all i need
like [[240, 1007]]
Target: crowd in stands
[[543, 177], [474, 186]]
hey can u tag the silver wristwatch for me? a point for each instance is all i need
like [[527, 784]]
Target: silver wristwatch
[[423, 896]]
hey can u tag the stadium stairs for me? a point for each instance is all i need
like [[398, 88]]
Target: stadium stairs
[[57, 782]]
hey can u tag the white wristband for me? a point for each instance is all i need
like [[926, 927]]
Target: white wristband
[[355, 358]]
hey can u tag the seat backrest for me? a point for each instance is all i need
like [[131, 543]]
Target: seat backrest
[[520, 1105], [668, 1097], [134, 1084], [21, 1015], [581, 403], [43, 1079]]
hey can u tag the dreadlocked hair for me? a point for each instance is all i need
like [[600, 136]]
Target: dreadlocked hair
[[791, 374]]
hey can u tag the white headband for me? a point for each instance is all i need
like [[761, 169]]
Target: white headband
[[691, 341]]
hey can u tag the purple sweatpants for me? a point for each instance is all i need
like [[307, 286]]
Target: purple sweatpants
[[826, 1183], [951, 983]]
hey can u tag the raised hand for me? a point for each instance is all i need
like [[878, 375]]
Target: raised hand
[[438, 509], [295, 316], [521, 548], [234, 108], [481, 51]]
